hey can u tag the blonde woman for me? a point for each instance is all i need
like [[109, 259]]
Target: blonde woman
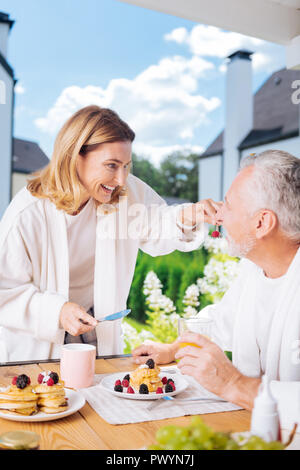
[[69, 240]]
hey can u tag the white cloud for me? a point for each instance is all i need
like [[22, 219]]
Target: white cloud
[[19, 89], [161, 104], [158, 153], [210, 41]]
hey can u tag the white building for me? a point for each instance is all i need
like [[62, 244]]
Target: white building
[[18, 157], [7, 83], [267, 120]]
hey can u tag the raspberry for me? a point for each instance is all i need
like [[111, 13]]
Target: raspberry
[[117, 382], [118, 388], [170, 380], [14, 380], [127, 377], [125, 383], [215, 234], [164, 380], [40, 378], [159, 390], [150, 363], [22, 381], [130, 390], [172, 385], [143, 389], [54, 377], [50, 382], [169, 388]]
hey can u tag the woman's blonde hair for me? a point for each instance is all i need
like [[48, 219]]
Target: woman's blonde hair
[[85, 130]]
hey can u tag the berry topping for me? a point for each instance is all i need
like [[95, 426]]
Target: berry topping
[[143, 389], [50, 382], [14, 380], [215, 234], [169, 388], [40, 378], [164, 380], [130, 390], [125, 383], [118, 388], [54, 377], [127, 377], [22, 381], [159, 390], [117, 382], [150, 363]]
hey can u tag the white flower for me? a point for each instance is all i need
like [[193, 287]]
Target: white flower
[[216, 245]]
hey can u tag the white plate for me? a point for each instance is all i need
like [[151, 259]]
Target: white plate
[[108, 384], [75, 402]]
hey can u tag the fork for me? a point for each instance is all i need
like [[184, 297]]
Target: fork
[[201, 399]]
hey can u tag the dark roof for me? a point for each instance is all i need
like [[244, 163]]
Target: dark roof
[[6, 66], [275, 116], [28, 157], [4, 18]]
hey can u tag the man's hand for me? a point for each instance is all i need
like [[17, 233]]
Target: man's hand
[[202, 211], [72, 317], [207, 364], [159, 352]]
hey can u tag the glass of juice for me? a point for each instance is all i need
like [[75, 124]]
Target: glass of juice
[[200, 325]]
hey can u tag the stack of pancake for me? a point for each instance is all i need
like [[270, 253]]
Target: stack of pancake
[[18, 401], [51, 398], [145, 375]]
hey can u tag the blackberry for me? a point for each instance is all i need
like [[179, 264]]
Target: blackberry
[[168, 388], [22, 381], [143, 389], [126, 377], [118, 388], [150, 363], [54, 377], [170, 380]]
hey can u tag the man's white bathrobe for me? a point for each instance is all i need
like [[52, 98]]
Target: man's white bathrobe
[[34, 267], [236, 324]]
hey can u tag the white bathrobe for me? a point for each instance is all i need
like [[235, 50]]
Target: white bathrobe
[[34, 267], [235, 325]]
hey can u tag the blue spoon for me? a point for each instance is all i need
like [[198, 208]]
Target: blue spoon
[[113, 316]]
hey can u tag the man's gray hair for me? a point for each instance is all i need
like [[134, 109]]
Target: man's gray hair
[[276, 186]]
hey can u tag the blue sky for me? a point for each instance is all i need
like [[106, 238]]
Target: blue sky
[[164, 75]]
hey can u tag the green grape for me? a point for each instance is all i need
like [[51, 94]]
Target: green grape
[[198, 436]]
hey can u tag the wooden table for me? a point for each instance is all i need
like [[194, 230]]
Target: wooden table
[[87, 430]]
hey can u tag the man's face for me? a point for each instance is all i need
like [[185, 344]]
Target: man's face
[[235, 216]]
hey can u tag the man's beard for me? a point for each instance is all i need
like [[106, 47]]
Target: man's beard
[[240, 250]]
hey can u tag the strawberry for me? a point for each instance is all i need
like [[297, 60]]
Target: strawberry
[[130, 390], [215, 234], [117, 382], [159, 390], [164, 380], [14, 380], [125, 383]]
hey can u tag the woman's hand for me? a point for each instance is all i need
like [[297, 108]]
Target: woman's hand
[[70, 318], [160, 353], [202, 211]]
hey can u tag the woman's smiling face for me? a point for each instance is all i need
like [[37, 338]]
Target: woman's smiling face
[[105, 169]]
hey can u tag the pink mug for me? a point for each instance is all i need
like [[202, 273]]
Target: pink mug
[[77, 364]]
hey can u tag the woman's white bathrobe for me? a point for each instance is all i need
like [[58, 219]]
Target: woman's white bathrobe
[[34, 267]]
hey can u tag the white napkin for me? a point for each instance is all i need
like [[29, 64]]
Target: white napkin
[[117, 410]]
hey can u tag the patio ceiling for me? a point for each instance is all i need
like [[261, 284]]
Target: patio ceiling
[[277, 21]]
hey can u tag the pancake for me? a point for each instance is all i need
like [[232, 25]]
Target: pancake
[[50, 395], [17, 400], [144, 375]]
